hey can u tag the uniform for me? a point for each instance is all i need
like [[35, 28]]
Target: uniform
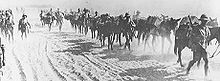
[[23, 25], [198, 43]]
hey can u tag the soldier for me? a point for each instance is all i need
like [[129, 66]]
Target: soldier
[[3, 55], [78, 10], [198, 40], [204, 29], [24, 25], [96, 14]]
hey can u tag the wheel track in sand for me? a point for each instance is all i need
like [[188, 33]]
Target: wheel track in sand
[[52, 67], [21, 72]]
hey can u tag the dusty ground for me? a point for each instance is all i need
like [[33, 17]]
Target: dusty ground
[[69, 56]]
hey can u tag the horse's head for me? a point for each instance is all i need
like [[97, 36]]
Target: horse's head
[[164, 17], [173, 23], [213, 22], [67, 16]]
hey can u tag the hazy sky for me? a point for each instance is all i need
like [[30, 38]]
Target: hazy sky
[[147, 7]]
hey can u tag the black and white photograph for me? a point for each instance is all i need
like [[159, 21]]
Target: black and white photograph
[[109, 40]]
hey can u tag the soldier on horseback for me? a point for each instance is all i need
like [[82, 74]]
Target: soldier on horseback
[[78, 10], [198, 43], [24, 26], [96, 14], [9, 24], [128, 29]]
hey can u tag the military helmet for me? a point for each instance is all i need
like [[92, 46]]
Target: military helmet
[[203, 17]]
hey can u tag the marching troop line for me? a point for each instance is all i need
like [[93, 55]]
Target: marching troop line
[[189, 31]]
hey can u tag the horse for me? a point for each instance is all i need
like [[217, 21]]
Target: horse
[[128, 27], [163, 28], [48, 19], [10, 30], [59, 19], [181, 39], [106, 30], [212, 22], [92, 24], [6, 24], [199, 52], [73, 18], [144, 27]]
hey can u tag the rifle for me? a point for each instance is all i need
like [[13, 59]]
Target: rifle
[[190, 21]]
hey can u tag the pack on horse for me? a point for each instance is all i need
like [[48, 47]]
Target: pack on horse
[[24, 26]]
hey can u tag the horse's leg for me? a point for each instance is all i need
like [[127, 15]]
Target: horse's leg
[[126, 41], [100, 39], [176, 46], [6, 34], [112, 40], [12, 34], [50, 26], [9, 36], [191, 63], [22, 35], [206, 65], [139, 37], [145, 42], [86, 30], [92, 33], [153, 42], [3, 58], [129, 45], [98, 34], [119, 39], [0, 62], [163, 39], [25, 33], [109, 42], [170, 41], [143, 36], [179, 56], [60, 26], [103, 41], [79, 29]]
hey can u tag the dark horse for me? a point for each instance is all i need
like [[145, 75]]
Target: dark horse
[[106, 30], [182, 39], [190, 36], [47, 19]]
